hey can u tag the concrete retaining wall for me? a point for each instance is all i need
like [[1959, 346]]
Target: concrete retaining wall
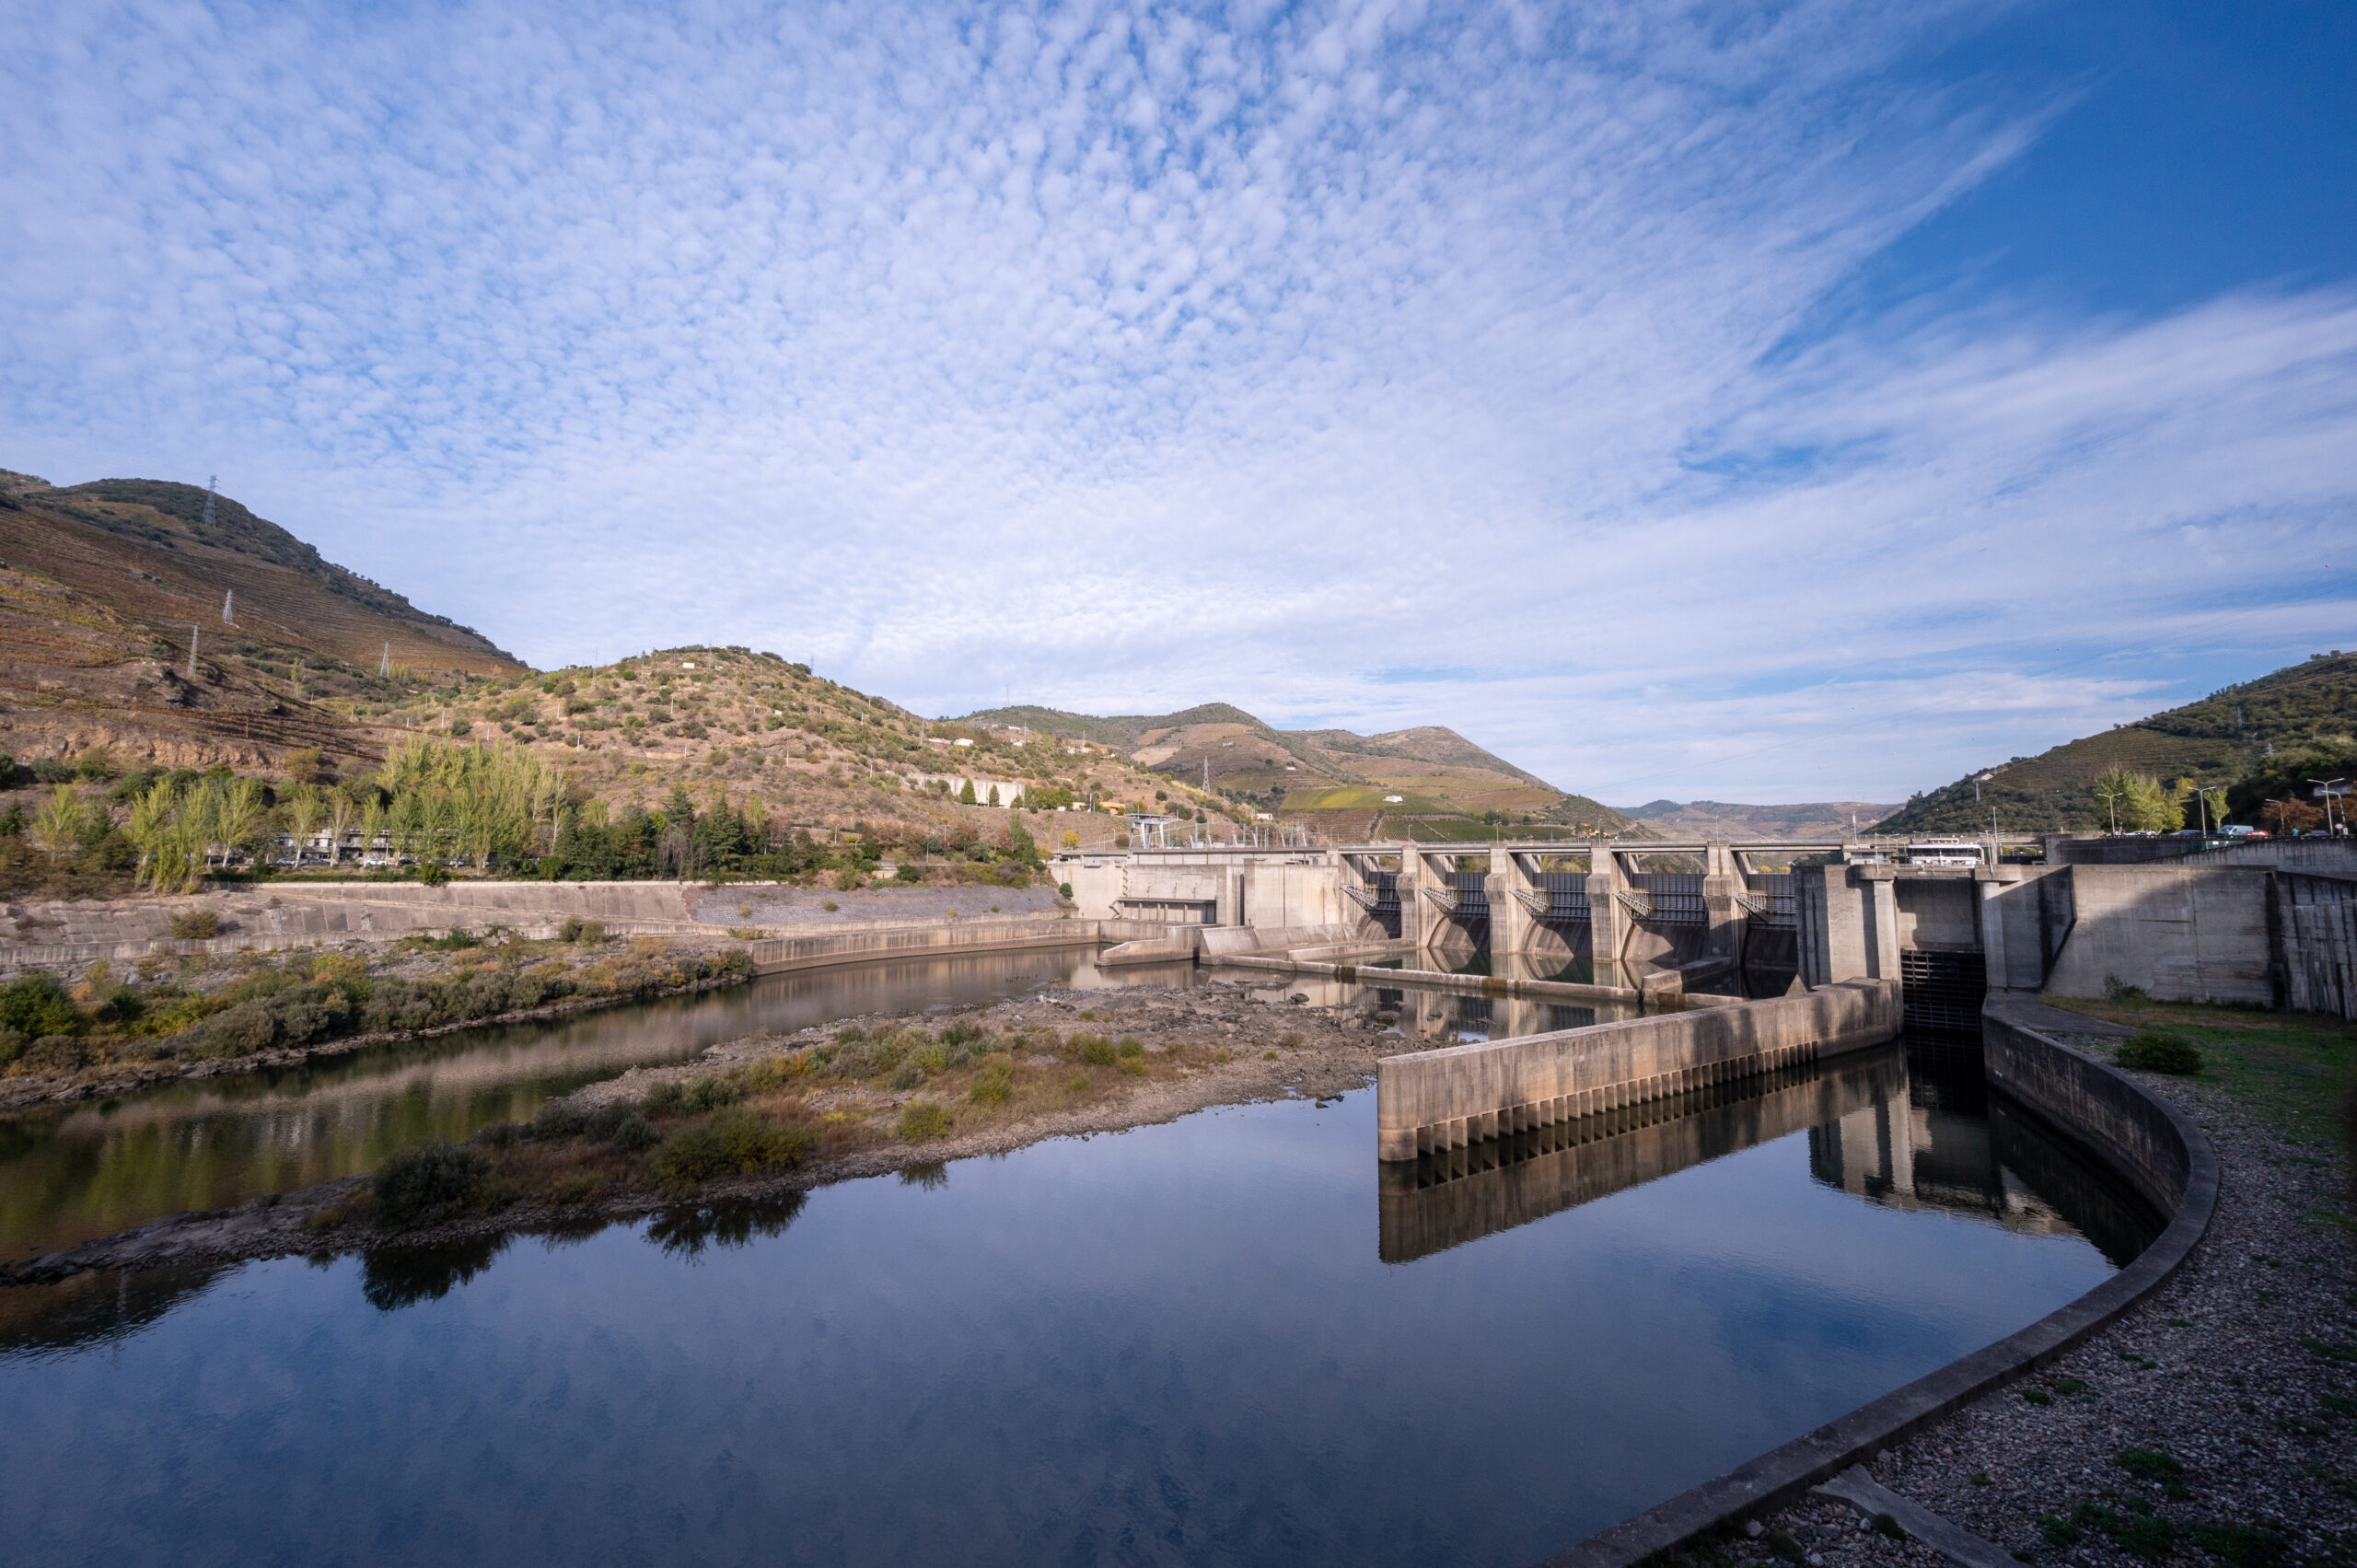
[[1432, 1100], [2183, 932], [780, 954], [2146, 1140], [300, 914]]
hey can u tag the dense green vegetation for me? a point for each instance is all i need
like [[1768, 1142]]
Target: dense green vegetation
[[2259, 741], [435, 804]]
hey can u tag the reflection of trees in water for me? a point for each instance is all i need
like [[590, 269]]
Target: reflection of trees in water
[[686, 1231], [395, 1277], [96, 1307], [932, 1176]]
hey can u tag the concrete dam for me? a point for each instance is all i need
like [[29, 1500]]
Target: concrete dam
[[1852, 949]]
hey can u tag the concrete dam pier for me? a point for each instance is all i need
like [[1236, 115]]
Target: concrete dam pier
[[1428, 1101]]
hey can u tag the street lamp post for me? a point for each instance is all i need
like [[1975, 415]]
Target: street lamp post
[[2330, 789], [2111, 798]]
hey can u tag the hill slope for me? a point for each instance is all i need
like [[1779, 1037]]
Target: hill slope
[[103, 585], [2214, 741], [1428, 781]]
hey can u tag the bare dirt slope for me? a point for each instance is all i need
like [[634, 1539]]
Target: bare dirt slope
[[105, 586]]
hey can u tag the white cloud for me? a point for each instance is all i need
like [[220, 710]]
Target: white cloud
[[1118, 357]]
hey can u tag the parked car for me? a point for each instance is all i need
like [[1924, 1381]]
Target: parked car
[[2236, 830]]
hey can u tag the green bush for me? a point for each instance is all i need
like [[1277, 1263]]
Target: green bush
[[122, 1005], [56, 1054], [12, 1045], [908, 872], [2152, 1051], [922, 1120], [35, 1004], [1094, 1049], [735, 1142], [195, 925], [993, 1084], [711, 1092], [427, 1184], [1131, 1046]]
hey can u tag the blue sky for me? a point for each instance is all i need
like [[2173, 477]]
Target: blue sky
[[1758, 403]]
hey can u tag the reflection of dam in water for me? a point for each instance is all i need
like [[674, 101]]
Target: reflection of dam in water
[[1912, 1127]]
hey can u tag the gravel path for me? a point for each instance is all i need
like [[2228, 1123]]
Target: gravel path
[[2241, 1372]]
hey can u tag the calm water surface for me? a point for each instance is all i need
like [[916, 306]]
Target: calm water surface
[[1226, 1340], [99, 1168]]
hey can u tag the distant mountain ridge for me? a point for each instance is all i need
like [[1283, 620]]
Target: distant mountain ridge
[[1426, 773], [1720, 820]]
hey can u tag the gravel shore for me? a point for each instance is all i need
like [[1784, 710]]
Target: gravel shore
[[2236, 1380]]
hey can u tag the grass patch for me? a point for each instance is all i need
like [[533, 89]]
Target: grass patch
[[2245, 1546], [2289, 1069]]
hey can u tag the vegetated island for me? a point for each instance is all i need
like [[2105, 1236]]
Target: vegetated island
[[767, 1117], [199, 1017]]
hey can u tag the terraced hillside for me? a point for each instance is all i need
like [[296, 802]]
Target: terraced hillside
[[1428, 782], [2217, 740]]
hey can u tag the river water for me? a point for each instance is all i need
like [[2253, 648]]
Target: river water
[[1232, 1339]]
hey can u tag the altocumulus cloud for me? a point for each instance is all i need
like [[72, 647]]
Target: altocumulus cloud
[[1127, 355]]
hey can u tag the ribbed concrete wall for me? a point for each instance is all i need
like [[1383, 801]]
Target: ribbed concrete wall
[[1579, 1162], [2316, 922], [1430, 1100]]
